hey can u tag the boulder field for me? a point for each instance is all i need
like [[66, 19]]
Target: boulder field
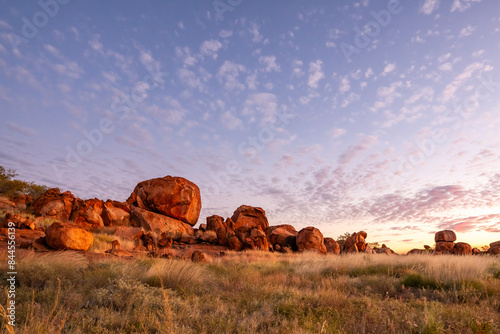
[[159, 217]]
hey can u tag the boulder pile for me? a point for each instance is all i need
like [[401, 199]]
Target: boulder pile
[[160, 216], [445, 244]]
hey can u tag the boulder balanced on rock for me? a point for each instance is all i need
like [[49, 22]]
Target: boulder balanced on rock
[[173, 197], [250, 216], [445, 242]]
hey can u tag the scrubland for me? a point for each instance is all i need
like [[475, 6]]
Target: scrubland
[[254, 292]]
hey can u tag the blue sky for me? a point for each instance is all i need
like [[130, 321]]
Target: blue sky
[[347, 115]]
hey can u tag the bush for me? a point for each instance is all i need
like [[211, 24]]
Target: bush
[[10, 186]]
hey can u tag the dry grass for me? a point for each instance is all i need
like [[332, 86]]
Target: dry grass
[[102, 242], [257, 292]]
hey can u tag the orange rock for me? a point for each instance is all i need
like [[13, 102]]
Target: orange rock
[[446, 235], [164, 241], [216, 223], [495, 244], [332, 246], [53, 204], [250, 216], [115, 214], [88, 212], [444, 247], [66, 236], [158, 223], [7, 205], [131, 233], [310, 238], [462, 248], [198, 256], [350, 244], [234, 243], [494, 250], [174, 197], [283, 236]]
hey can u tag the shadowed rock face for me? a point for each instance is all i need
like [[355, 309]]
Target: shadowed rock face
[[115, 214], [174, 197], [158, 223], [53, 204], [446, 235], [310, 238], [250, 216], [285, 236], [356, 242], [332, 246], [462, 248], [219, 226], [444, 247], [88, 212], [65, 236]]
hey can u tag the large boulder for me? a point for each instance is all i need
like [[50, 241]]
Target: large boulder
[[462, 248], [88, 213], [494, 250], [283, 235], [446, 235], [444, 247], [66, 236], [310, 238], [115, 214], [54, 205], [495, 244], [332, 246], [174, 197], [158, 223], [250, 216]]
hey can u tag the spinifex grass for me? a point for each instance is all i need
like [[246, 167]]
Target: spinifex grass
[[256, 292]]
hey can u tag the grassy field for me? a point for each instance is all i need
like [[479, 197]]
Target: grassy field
[[256, 292]]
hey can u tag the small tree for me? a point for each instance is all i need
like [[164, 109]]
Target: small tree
[[10, 186], [342, 238]]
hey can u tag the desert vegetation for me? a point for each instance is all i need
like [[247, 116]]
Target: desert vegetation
[[256, 292]]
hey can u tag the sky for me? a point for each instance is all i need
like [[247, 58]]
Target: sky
[[369, 115]]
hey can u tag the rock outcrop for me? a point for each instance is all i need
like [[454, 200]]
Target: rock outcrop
[[250, 216], [174, 197], [446, 235], [88, 213], [115, 214], [444, 247], [158, 223], [282, 237], [494, 248], [462, 248], [356, 242], [310, 238], [332, 246], [68, 236], [55, 205], [219, 226]]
